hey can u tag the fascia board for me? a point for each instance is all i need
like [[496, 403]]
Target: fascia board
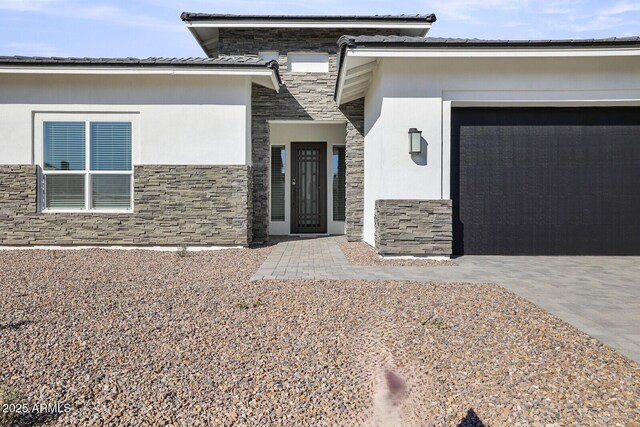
[[419, 52], [153, 70], [310, 24]]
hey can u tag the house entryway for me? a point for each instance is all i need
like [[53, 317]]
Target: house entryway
[[307, 177]]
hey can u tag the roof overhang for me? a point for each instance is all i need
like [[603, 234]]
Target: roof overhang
[[261, 75], [358, 61], [205, 27]]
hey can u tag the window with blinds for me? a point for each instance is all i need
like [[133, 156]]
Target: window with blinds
[[278, 164], [64, 146], [87, 165], [110, 146], [339, 183]]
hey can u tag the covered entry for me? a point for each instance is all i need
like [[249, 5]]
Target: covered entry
[[546, 181], [307, 177]]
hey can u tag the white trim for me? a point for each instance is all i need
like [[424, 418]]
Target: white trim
[[479, 52], [341, 78], [414, 257], [87, 117], [83, 172], [275, 23], [358, 72], [307, 122], [274, 81], [366, 68], [357, 80], [65, 69], [356, 89], [445, 147], [476, 52], [86, 211], [611, 102], [123, 248], [258, 74]]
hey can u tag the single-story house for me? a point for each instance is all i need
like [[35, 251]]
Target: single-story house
[[356, 125]]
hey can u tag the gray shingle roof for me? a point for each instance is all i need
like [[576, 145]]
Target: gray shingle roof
[[236, 61], [188, 16], [408, 41]]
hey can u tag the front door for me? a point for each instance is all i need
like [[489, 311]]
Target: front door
[[308, 187]]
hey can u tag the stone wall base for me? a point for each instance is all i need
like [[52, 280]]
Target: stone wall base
[[413, 227], [173, 205]]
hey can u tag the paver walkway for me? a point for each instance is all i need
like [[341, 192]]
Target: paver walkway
[[599, 295]]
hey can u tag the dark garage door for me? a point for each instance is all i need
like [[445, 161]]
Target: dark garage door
[[546, 181]]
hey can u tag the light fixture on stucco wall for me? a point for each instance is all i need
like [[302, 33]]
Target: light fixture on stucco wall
[[415, 141]]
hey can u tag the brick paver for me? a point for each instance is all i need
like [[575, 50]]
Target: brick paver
[[599, 295]]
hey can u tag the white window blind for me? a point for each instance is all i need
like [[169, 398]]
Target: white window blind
[[65, 191], [110, 146], [87, 165], [111, 191], [64, 146]]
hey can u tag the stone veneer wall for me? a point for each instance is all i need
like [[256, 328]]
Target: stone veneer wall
[[413, 227], [304, 96], [173, 205]]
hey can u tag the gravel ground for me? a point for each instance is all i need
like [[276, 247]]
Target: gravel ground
[[151, 338], [360, 253]]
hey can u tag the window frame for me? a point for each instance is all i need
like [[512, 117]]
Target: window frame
[[87, 119], [283, 149]]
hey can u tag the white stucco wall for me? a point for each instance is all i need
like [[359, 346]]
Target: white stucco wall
[[184, 120], [420, 92]]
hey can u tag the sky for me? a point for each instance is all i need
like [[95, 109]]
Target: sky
[[142, 28]]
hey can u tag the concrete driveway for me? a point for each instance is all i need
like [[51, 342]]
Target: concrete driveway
[[599, 295]]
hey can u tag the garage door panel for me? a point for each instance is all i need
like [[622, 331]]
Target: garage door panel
[[546, 181]]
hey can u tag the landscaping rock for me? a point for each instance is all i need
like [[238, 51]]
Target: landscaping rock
[[152, 338], [360, 253]]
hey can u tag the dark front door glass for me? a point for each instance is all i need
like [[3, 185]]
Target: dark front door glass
[[309, 187], [278, 176], [339, 177]]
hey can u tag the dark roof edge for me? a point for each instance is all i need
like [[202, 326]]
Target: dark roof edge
[[435, 42], [138, 62], [273, 64], [191, 17]]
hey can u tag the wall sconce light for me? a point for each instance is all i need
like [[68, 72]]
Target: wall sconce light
[[415, 141]]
